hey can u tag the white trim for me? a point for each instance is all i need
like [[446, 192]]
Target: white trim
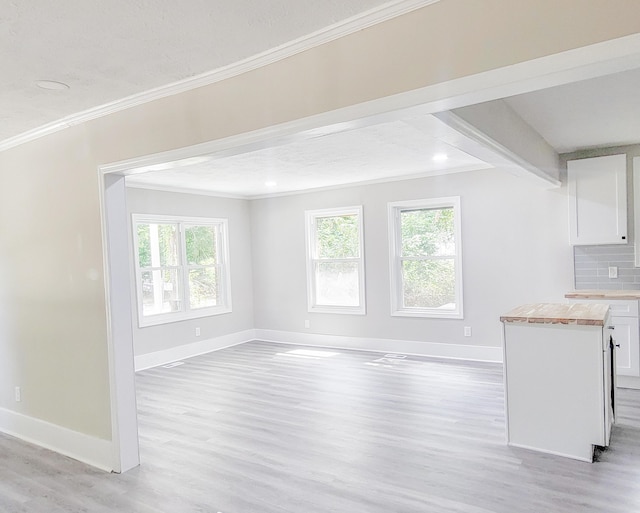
[[384, 345], [395, 253], [337, 30], [388, 179], [119, 322], [310, 234], [149, 360], [79, 446], [183, 190]]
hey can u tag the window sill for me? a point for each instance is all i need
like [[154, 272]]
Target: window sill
[[430, 314], [343, 310]]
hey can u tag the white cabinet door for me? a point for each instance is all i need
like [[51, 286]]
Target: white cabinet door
[[598, 200], [626, 334]]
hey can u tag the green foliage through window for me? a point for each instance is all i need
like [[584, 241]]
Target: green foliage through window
[[201, 245], [338, 237], [157, 244], [428, 232]]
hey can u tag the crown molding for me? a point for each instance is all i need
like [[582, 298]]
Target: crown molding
[[184, 190], [343, 28], [374, 181]]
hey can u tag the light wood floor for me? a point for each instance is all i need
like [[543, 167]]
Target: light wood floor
[[262, 428]]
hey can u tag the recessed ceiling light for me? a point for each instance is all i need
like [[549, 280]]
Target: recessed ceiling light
[[52, 85], [440, 157], [270, 183]]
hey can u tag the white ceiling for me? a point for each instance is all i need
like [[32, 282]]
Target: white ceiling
[[600, 112], [412, 146], [106, 51]]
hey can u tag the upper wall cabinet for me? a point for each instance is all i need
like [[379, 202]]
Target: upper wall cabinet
[[598, 200]]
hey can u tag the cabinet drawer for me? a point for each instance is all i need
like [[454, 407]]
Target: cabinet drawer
[[622, 308], [617, 307]]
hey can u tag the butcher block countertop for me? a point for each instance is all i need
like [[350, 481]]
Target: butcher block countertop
[[603, 294], [586, 314]]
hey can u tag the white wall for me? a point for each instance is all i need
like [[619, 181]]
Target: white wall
[[515, 250], [167, 336]]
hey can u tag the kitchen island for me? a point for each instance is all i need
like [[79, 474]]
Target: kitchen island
[[559, 378]]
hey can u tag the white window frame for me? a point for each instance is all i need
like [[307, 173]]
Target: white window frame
[[395, 260], [312, 260], [224, 271]]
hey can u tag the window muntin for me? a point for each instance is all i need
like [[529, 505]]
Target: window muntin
[[425, 257], [335, 263], [182, 268]]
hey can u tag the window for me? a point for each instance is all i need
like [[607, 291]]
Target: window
[[425, 258], [335, 265], [182, 268]]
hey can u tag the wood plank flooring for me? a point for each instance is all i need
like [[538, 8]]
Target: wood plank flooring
[[277, 429]]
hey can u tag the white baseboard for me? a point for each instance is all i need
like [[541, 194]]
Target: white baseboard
[[385, 345], [149, 360], [79, 446]]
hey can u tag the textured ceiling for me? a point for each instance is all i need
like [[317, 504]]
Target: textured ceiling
[[385, 151], [109, 50]]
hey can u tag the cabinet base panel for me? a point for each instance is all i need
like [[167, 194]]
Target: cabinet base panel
[[588, 458]]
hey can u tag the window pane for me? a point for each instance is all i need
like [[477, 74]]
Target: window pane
[[428, 232], [201, 245], [157, 244], [203, 287], [429, 284], [160, 292], [337, 284], [337, 237]]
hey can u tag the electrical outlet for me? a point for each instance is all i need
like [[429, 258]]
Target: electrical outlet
[[613, 271], [467, 331], [307, 324], [18, 394], [197, 332]]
